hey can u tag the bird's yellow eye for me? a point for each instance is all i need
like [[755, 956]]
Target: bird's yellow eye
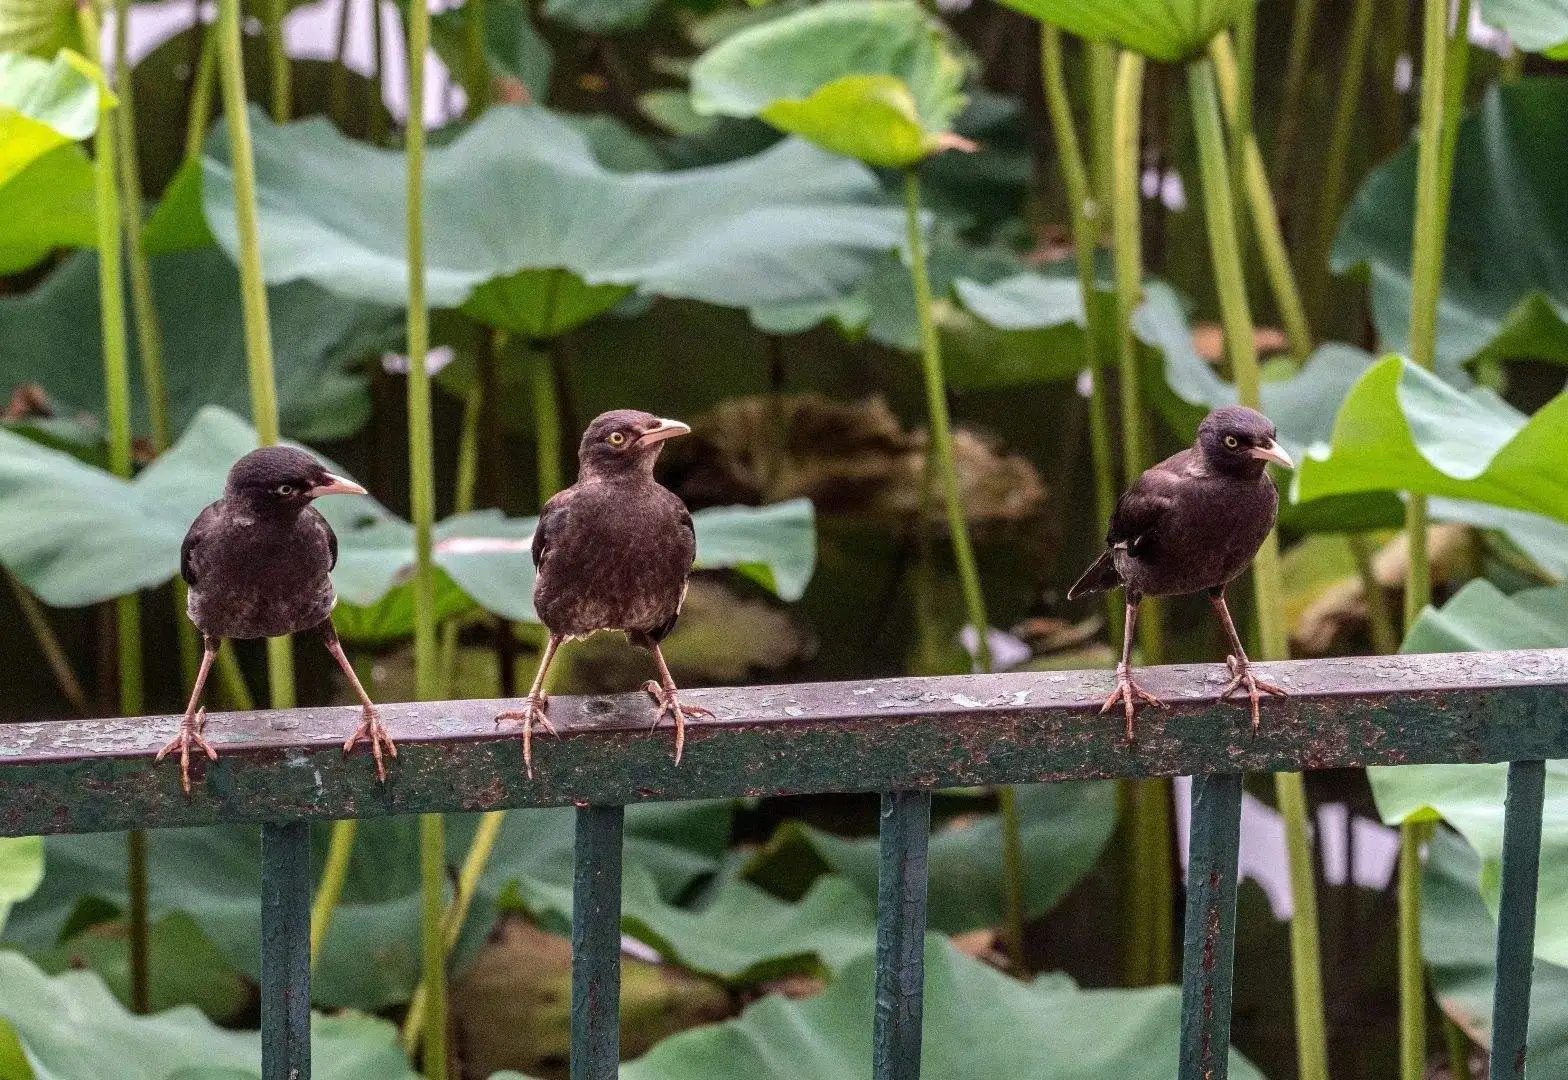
[[284, 489], [616, 438], [1230, 441]]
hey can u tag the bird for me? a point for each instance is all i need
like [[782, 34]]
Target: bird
[[258, 563], [1192, 523], [613, 552]]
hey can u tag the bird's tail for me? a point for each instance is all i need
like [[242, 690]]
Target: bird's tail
[[1101, 577]]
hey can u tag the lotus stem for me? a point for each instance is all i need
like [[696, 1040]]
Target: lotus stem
[[340, 849], [1100, 65], [1087, 214], [1299, 52], [476, 67], [1331, 190], [1412, 984], [337, 87], [1219, 215], [1380, 620], [49, 644], [547, 418], [278, 60], [202, 81]]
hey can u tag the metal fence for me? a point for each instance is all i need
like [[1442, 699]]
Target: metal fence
[[901, 737]]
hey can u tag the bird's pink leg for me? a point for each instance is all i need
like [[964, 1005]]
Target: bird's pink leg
[[666, 694], [1238, 664], [1128, 692], [371, 729], [193, 721], [534, 706]]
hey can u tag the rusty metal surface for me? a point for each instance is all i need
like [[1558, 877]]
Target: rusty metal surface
[[87, 776]]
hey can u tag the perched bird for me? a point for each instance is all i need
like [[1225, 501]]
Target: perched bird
[[258, 562], [1192, 522], [613, 552]]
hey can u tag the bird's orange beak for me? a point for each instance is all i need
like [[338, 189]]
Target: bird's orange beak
[[664, 429], [1273, 452], [336, 485]]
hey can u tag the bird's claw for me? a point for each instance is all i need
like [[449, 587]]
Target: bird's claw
[[1243, 678], [373, 731], [670, 705], [532, 710], [190, 734], [1129, 694]]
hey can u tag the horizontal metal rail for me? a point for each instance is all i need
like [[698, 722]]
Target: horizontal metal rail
[[888, 734], [900, 737]]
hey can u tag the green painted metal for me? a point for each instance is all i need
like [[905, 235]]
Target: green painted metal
[[901, 933], [1209, 946], [86, 776], [596, 943], [1516, 918], [285, 951]]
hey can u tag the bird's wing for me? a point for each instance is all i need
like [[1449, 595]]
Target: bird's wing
[[1136, 521], [332, 537], [549, 517], [204, 523]]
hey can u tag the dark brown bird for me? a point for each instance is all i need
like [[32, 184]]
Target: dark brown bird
[[613, 552], [258, 563], [1193, 522]]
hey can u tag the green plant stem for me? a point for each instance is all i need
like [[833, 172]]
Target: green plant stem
[[1458, 1050], [1219, 215], [337, 87], [278, 60], [476, 68], [485, 835], [117, 409], [1087, 214], [1511, 70], [422, 497], [378, 73], [941, 426], [462, 503], [1332, 184], [1126, 252], [1265, 215], [1012, 877], [231, 680], [340, 848], [547, 419], [201, 93], [1412, 984], [1380, 620], [253, 292], [1299, 52], [1100, 65], [49, 644], [148, 339], [1151, 923]]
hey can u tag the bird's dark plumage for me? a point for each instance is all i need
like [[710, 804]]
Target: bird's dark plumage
[[258, 563], [1192, 523], [613, 552]]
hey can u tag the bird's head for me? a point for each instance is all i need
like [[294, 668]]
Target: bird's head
[[625, 442], [1238, 440], [282, 480]]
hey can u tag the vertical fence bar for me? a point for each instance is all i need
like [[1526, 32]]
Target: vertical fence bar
[[596, 944], [1209, 945], [285, 951], [901, 932], [1516, 918]]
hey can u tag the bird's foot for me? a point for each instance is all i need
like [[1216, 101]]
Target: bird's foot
[[373, 731], [670, 706], [1129, 694], [1242, 678], [532, 711], [190, 735]]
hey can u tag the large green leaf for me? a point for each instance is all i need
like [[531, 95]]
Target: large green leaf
[[522, 189], [979, 1025], [872, 79], [21, 869], [51, 337], [1065, 827], [44, 105], [1159, 29], [72, 1028], [1534, 25], [1458, 941], [76, 534], [1505, 266], [371, 955], [1404, 429], [1470, 797], [49, 204], [600, 16]]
